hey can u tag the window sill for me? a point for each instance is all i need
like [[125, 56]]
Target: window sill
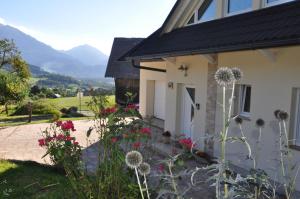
[[295, 147]]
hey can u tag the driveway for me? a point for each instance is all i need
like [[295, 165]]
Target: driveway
[[21, 142]]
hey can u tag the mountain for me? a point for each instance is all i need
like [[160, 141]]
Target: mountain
[[88, 55], [51, 60]]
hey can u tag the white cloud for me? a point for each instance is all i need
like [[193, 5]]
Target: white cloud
[[2, 21]]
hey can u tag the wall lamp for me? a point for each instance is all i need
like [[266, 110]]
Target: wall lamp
[[184, 68]]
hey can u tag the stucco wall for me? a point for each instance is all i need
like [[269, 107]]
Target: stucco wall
[[147, 79], [272, 84]]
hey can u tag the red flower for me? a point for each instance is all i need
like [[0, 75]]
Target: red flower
[[69, 138], [114, 140], [42, 142], [108, 111], [146, 131], [59, 123], [161, 167], [68, 125], [60, 137], [187, 143], [75, 143], [136, 145], [131, 107]]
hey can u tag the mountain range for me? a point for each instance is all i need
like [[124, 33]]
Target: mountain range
[[81, 62]]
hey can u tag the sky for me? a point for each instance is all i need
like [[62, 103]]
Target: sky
[[64, 24]]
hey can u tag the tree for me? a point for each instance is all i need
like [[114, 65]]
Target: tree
[[14, 74]]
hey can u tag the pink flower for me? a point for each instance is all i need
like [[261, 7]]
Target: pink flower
[[68, 125], [69, 138], [108, 111], [187, 143], [146, 131], [42, 142], [131, 107], [136, 145], [161, 168], [114, 140], [59, 123], [60, 137], [75, 143]]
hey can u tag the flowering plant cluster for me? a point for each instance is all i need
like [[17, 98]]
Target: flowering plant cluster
[[186, 143], [108, 111], [59, 143], [130, 107]]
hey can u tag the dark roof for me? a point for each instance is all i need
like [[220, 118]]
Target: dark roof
[[122, 69], [265, 28]]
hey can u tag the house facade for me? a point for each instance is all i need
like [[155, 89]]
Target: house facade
[[261, 37]]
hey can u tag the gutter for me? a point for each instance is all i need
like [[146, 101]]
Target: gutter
[[147, 68]]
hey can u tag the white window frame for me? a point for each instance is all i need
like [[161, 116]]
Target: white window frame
[[266, 4], [228, 14], [243, 89], [197, 21], [297, 119]]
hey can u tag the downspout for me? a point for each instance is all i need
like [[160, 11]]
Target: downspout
[[147, 68]]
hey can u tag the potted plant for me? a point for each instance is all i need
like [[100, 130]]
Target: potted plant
[[166, 137]]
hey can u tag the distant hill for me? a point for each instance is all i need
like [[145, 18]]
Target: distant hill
[[87, 55], [51, 60]]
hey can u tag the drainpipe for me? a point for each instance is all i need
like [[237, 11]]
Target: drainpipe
[[147, 68]]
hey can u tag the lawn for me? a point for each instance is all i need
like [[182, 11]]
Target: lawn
[[32, 180], [60, 103]]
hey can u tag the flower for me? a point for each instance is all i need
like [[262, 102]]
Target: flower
[[68, 138], [114, 140], [283, 115], [133, 159], [260, 123], [60, 137], [42, 142], [108, 111], [237, 74], [68, 125], [224, 76], [131, 107], [187, 143], [161, 167], [238, 120], [58, 123], [146, 131], [144, 169], [136, 145], [75, 143]]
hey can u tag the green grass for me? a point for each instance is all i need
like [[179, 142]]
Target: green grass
[[32, 180]]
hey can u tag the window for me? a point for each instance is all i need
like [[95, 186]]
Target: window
[[275, 2], [238, 6], [245, 100], [206, 12], [296, 116]]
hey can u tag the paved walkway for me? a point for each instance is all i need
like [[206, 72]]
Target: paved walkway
[[21, 142]]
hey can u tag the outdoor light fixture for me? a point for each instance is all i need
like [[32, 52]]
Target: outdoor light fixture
[[170, 85], [184, 68]]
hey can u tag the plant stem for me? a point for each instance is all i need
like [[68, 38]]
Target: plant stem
[[146, 185], [223, 144], [138, 179], [173, 181]]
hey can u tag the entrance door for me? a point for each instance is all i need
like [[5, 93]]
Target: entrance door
[[187, 110], [160, 99], [297, 121]]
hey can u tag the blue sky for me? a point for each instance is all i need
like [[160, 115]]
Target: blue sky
[[64, 24]]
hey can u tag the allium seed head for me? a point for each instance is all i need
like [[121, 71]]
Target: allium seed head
[[144, 169], [260, 123], [133, 159], [276, 113], [283, 115], [239, 120], [224, 76], [237, 74]]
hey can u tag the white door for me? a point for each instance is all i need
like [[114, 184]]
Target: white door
[[297, 121], [160, 99], [187, 111]]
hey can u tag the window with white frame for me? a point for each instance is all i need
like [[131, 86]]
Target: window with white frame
[[206, 12], [237, 6], [245, 100], [275, 2], [296, 114]]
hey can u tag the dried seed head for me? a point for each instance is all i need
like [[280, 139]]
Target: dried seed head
[[237, 74], [133, 159], [224, 76], [260, 123], [144, 169], [239, 120], [283, 115], [276, 114]]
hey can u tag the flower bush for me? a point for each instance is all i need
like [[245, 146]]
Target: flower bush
[[59, 143]]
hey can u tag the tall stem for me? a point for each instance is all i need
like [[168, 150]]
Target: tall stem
[[223, 144], [146, 185], [282, 161], [173, 181], [139, 182]]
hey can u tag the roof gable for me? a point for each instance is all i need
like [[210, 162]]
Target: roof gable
[[122, 69]]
